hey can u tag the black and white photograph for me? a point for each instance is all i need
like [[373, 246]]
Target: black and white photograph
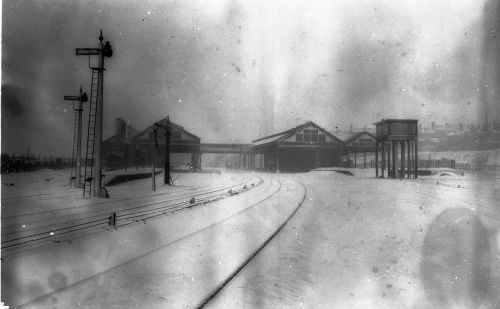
[[250, 154]]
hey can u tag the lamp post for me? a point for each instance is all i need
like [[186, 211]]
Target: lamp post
[[153, 173], [166, 179], [126, 144], [166, 128]]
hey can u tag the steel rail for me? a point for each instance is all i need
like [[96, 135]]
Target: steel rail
[[130, 217]]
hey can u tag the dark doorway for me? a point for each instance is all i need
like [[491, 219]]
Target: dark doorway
[[297, 159]]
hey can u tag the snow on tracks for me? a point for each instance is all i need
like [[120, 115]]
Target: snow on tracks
[[63, 224], [172, 261]]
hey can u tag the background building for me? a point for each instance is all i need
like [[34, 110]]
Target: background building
[[139, 149], [304, 147], [360, 150]]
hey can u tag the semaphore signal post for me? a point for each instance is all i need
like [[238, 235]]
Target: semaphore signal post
[[77, 135], [93, 153]]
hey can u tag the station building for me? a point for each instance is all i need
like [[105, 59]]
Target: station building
[[114, 150], [139, 149], [184, 145], [360, 150], [301, 148]]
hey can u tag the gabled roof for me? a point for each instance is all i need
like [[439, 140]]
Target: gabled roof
[[395, 120], [352, 138], [276, 138], [117, 138], [174, 126]]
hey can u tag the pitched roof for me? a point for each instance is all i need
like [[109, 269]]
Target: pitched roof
[[164, 122], [286, 134], [353, 137], [395, 120], [117, 137]]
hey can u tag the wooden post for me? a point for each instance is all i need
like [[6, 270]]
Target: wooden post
[[153, 172], [389, 169], [416, 159], [355, 160], [383, 158], [376, 159], [98, 189], [410, 163], [402, 174], [277, 161], [166, 168], [409, 159], [394, 163]]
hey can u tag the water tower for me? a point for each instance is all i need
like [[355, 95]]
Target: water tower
[[397, 140]]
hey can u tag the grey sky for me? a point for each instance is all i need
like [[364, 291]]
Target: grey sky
[[237, 70]]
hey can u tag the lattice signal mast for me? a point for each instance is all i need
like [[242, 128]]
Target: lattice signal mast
[[92, 187], [77, 137]]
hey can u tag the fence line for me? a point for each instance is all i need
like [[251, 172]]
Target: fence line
[[21, 163]]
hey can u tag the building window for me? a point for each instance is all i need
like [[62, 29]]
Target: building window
[[299, 137], [366, 140], [314, 137], [311, 135], [176, 135], [322, 138]]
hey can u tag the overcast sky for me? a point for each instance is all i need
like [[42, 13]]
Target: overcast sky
[[233, 71]]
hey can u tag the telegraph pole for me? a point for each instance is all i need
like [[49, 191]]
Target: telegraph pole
[[81, 99], [166, 179], [99, 117], [166, 175], [153, 171], [104, 50]]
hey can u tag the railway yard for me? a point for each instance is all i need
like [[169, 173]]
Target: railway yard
[[327, 238]]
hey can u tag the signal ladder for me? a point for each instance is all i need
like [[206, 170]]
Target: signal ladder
[[89, 153]]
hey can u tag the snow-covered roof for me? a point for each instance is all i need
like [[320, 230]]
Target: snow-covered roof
[[353, 137], [115, 138], [270, 139], [174, 127], [286, 134]]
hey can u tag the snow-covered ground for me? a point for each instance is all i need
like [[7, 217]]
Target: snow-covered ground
[[36, 183], [45, 190], [354, 242], [360, 242], [70, 271]]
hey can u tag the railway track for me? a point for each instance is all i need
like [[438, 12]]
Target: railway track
[[26, 234], [45, 216]]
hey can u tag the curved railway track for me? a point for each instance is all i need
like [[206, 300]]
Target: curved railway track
[[119, 250], [64, 227], [31, 218]]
